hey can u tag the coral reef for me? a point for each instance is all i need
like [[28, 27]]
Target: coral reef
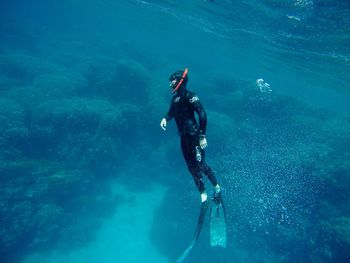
[[60, 143], [71, 122]]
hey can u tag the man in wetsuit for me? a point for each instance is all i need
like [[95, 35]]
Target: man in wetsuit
[[183, 106]]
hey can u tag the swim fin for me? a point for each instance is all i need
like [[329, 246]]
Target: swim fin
[[204, 208], [218, 222]]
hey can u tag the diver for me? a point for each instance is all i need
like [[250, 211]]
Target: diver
[[183, 107]]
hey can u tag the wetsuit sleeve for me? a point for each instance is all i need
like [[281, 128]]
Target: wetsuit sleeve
[[202, 115], [170, 113]]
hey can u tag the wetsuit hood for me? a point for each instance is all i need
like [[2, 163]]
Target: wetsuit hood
[[181, 78]]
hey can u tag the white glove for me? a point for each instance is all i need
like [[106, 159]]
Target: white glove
[[163, 124], [203, 141]]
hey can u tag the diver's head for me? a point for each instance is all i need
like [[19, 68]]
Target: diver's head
[[178, 80]]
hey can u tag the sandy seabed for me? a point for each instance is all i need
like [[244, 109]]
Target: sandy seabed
[[122, 238]]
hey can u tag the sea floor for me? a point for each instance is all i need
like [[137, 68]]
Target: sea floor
[[122, 238]]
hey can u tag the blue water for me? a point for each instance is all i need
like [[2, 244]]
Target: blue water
[[86, 173]]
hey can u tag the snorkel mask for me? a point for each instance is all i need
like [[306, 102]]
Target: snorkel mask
[[177, 79]]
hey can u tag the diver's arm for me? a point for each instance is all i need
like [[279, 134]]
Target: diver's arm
[[202, 116], [167, 117]]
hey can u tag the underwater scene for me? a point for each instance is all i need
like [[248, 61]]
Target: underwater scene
[[96, 166]]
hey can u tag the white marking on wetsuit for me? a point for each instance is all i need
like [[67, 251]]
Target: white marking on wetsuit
[[177, 99], [195, 98], [198, 154]]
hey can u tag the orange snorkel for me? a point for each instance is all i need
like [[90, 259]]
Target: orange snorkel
[[181, 80]]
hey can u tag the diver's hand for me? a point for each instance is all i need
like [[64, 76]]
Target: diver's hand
[[203, 141], [163, 124]]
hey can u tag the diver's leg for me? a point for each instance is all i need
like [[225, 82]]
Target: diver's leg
[[209, 172], [190, 157]]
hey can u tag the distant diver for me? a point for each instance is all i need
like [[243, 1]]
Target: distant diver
[[183, 107]]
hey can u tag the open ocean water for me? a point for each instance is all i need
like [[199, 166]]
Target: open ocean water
[[86, 173]]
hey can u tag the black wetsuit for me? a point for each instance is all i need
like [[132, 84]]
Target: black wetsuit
[[183, 106]]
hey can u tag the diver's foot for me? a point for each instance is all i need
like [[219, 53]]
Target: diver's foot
[[204, 197], [217, 188], [217, 194]]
